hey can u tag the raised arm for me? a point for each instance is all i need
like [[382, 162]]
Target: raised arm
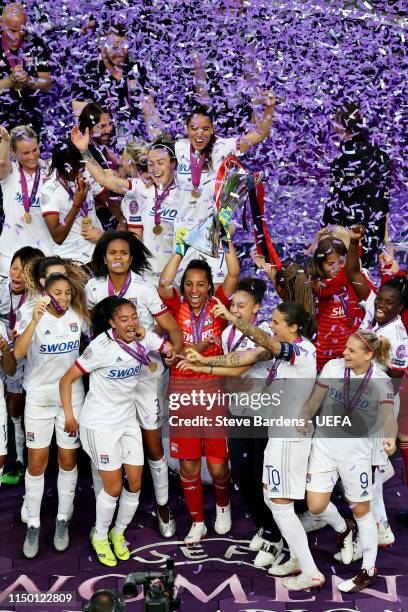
[[232, 278], [22, 343], [58, 229], [263, 127], [105, 178], [353, 269], [5, 162]]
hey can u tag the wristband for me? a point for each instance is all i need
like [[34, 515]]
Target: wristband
[[287, 351]]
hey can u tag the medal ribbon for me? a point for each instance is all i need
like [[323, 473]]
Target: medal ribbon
[[12, 313], [197, 323], [55, 304], [139, 353], [273, 372], [349, 405], [27, 201], [379, 326], [158, 201], [64, 184], [256, 196], [10, 56], [196, 164], [123, 289]]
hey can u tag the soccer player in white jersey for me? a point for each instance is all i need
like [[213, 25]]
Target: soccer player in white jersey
[[117, 262], [12, 297], [50, 340], [112, 438], [21, 183], [286, 455], [68, 207], [383, 318], [8, 364], [246, 453], [355, 387]]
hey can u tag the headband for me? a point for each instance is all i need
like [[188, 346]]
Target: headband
[[365, 342], [164, 146]]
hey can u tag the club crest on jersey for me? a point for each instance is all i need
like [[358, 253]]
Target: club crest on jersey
[[174, 448], [104, 459], [30, 436], [73, 327]]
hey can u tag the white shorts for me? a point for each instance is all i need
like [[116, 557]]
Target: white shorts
[[285, 467], [323, 472], [149, 403], [109, 450], [3, 432], [14, 384], [39, 431]]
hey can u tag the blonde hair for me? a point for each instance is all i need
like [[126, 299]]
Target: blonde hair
[[137, 151], [378, 345], [21, 132], [334, 231]]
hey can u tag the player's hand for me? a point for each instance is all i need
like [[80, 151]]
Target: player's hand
[[179, 238], [260, 262], [305, 427], [40, 307], [79, 140], [193, 356], [388, 264], [140, 332], [71, 426], [91, 233], [4, 135], [211, 339], [171, 358], [4, 346], [389, 446], [20, 75], [184, 365], [225, 217], [221, 311], [357, 232]]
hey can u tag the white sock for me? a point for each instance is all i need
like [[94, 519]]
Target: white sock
[[160, 476], [34, 489], [292, 530], [97, 480], [377, 502], [333, 518], [128, 504], [19, 438], [367, 530], [269, 503], [105, 509], [66, 485], [1, 474]]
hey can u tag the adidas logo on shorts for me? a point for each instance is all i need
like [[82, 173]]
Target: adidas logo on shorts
[[364, 494], [275, 490]]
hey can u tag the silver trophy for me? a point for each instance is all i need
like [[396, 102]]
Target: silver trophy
[[232, 193]]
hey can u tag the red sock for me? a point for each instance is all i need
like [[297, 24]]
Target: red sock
[[404, 453], [193, 495], [222, 490]]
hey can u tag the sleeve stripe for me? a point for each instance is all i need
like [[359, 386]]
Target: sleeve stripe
[[318, 382], [135, 225], [163, 344], [78, 365], [157, 314], [50, 212], [387, 402]]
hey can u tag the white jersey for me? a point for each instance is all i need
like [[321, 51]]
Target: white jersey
[[5, 302], [17, 233], [114, 375], [378, 394], [193, 211], [368, 305], [53, 350], [396, 333], [147, 301], [294, 381], [243, 343], [3, 409], [138, 210], [56, 200]]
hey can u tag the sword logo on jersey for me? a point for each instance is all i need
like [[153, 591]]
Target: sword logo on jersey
[[126, 373], [59, 348]]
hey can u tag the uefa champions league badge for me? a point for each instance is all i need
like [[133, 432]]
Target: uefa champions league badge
[[401, 352], [133, 207]]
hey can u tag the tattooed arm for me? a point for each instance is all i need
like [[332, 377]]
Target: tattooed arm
[[230, 360]]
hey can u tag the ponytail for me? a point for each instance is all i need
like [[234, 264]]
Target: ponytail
[[296, 314], [103, 313], [293, 285], [378, 345]]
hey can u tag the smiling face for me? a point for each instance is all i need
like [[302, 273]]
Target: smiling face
[[14, 24], [102, 131], [116, 49], [118, 258], [282, 330], [387, 304], [199, 131], [160, 167], [196, 288], [16, 274], [125, 321], [27, 153], [243, 306], [61, 292], [356, 355], [332, 264]]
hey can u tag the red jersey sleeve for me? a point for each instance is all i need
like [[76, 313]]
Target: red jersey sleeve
[[173, 303]]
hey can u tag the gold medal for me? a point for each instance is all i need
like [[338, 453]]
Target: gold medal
[[86, 222], [196, 193], [27, 217], [157, 230], [153, 367]]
